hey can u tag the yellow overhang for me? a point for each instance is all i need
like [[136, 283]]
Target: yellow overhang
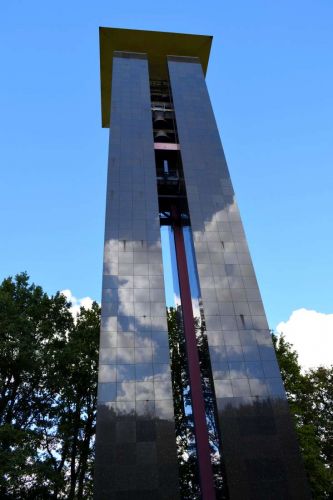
[[157, 45]]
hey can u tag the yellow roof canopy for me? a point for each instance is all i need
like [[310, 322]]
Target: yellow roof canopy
[[156, 44]]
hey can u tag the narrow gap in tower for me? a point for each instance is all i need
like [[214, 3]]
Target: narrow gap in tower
[[172, 195], [171, 190], [206, 369], [164, 127], [184, 423]]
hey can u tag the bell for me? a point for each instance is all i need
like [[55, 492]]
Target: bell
[[161, 136], [159, 118]]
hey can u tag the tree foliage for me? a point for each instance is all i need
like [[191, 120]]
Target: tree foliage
[[310, 397], [48, 386], [184, 423], [48, 367]]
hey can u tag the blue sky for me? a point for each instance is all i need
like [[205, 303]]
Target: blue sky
[[270, 79]]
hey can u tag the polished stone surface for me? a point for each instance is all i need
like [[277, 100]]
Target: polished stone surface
[[135, 442], [259, 446]]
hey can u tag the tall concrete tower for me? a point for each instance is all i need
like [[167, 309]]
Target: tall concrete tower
[[191, 402]]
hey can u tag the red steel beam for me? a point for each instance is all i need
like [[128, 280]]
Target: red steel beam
[[198, 404]]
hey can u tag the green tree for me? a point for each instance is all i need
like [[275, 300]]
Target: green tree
[[29, 320], [184, 423], [48, 386], [48, 376], [185, 437], [310, 397]]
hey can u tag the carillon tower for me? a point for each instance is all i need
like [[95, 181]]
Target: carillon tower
[[190, 402]]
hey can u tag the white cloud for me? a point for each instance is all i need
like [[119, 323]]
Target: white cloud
[[85, 302], [311, 334]]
